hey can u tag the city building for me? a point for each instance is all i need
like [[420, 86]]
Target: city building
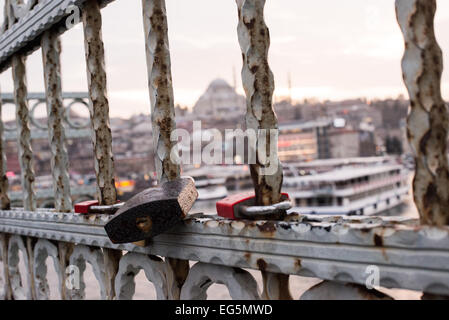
[[325, 139]]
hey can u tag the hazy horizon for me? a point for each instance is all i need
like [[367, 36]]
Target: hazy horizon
[[352, 49]]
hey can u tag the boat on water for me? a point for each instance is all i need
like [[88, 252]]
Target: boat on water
[[350, 190], [356, 186]]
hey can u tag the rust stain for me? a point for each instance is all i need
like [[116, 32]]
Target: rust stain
[[298, 264], [262, 265], [378, 241], [268, 228], [144, 224]]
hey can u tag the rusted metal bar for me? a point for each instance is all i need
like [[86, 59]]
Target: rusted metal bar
[[162, 111], [51, 50], [258, 82], [30, 243], [7, 290], [23, 132], [111, 262], [160, 86], [4, 198], [65, 250], [99, 106], [275, 286], [428, 121], [177, 272]]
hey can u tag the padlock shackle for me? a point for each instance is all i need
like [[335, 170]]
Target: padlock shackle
[[106, 209], [276, 211]]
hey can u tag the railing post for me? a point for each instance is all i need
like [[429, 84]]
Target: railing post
[[4, 199], [23, 131], [258, 82], [65, 250], [160, 85], [422, 67], [276, 286], [162, 111], [99, 104], [51, 50]]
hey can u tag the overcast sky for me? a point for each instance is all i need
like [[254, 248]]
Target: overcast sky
[[333, 49]]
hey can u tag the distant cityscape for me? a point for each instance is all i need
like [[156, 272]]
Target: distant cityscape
[[308, 130]]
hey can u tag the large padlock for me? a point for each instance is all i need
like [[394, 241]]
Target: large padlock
[[153, 211]]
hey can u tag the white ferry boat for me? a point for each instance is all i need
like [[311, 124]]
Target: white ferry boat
[[352, 186], [349, 190]]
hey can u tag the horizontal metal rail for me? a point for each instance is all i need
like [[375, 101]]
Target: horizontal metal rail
[[44, 16], [333, 248], [9, 97]]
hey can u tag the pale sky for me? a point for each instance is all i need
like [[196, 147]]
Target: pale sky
[[333, 49]]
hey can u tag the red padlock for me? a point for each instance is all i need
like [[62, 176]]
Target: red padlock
[[228, 207], [83, 207], [242, 206], [92, 206]]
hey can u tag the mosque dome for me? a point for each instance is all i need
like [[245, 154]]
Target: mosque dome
[[220, 99]]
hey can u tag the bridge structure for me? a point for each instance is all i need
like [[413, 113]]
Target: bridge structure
[[73, 128], [206, 249]]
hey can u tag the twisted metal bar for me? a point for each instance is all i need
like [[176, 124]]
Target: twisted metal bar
[[160, 85], [24, 135], [4, 198], [51, 50], [99, 109], [428, 121], [162, 111], [258, 83]]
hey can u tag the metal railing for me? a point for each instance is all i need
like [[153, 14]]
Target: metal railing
[[339, 250]]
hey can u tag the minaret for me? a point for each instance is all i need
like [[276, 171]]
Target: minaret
[[289, 87], [234, 78]]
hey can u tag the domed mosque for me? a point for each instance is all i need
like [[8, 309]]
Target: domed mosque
[[220, 100]]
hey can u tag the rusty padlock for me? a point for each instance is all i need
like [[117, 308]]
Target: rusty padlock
[[153, 211]]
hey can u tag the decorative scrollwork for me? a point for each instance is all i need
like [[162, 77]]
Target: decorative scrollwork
[[68, 118], [240, 283], [42, 250], [94, 256], [19, 291], [5, 292], [130, 265]]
